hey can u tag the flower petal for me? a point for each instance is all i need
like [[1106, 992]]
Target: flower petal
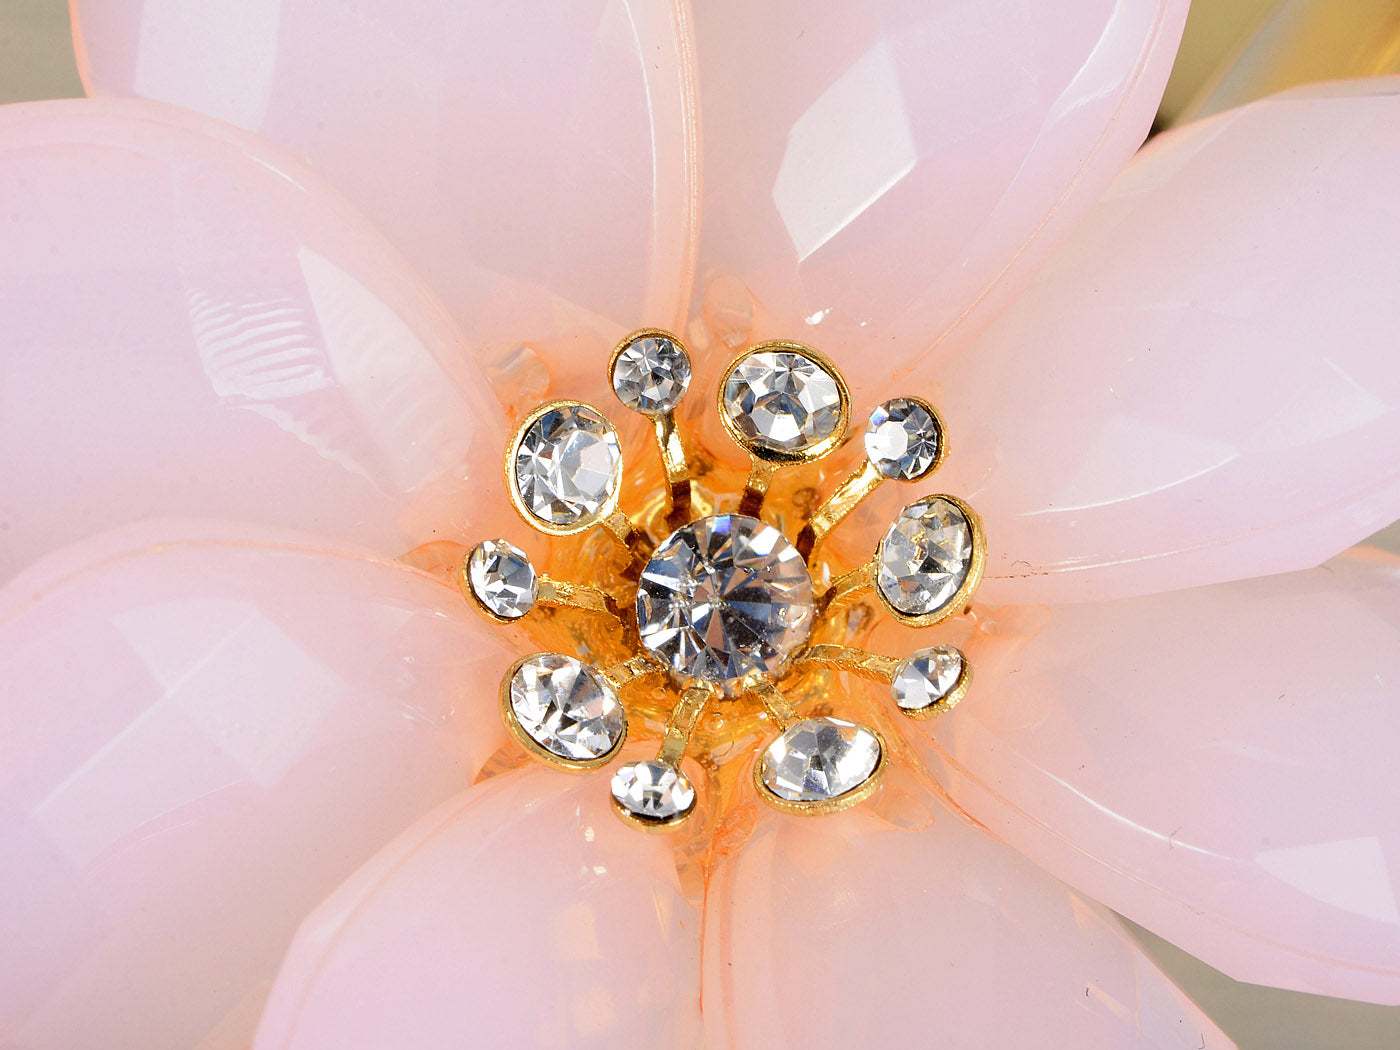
[[882, 175], [534, 160], [1216, 764], [522, 914], [842, 931], [1202, 385], [195, 324], [203, 730]]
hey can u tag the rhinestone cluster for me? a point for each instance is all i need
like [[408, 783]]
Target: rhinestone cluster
[[724, 605]]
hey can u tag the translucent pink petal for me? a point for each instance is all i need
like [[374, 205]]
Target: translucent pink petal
[[195, 324], [883, 174], [845, 932], [522, 914], [1217, 764], [534, 160], [1203, 384], [202, 731]]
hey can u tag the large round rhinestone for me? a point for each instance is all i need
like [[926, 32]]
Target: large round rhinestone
[[724, 597], [566, 707], [567, 465], [925, 557], [818, 760], [782, 401]]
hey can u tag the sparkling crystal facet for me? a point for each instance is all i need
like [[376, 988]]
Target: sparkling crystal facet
[[901, 439], [926, 677], [782, 401], [651, 375], [566, 707], [924, 557], [653, 790], [502, 578], [567, 465], [819, 759], [723, 597]]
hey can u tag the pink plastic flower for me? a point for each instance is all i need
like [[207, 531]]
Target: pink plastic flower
[[229, 404]]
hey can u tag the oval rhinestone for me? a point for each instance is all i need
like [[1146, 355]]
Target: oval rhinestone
[[901, 439], [925, 557], [926, 677], [568, 464], [502, 578], [653, 791], [651, 375], [819, 760], [782, 401], [723, 597], [566, 707]]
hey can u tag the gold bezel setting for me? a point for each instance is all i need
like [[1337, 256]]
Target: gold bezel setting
[[706, 582]]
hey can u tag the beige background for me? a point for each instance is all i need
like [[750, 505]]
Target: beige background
[[36, 61]]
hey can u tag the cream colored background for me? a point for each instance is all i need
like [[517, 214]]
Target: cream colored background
[[36, 61]]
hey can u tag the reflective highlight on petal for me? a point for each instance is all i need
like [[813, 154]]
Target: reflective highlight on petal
[[195, 325], [1202, 385], [535, 161], [521, 914], [1217, 764], [845, 932], [201, 734], [880, 175]]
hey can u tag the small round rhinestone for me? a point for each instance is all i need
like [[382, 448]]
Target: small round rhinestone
[[925, 557], [566, 707], [653, 791], [926, 677], [901, 439], [724, 597], [651, 375], [567, 465], [502, 578], [782, 401], [819, 759]]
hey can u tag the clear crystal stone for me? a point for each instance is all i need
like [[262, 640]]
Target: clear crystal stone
[[502, 578], [567, 465], [653, 791], [723, 597], [819, 759], [782, 401], [566, 707], [651, 375], [925, 677], [924, 557], [901, 439]]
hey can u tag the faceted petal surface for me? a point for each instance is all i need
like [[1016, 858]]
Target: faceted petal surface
[[203, 730], [1202, 384], [195, 324], [1217, 764], [883, 174], [534, 161], [523, 914], [844, 932]]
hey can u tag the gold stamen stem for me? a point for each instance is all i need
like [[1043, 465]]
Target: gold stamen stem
[[673, 458], [848, 585], [684, 717], [632, 540], [760, 477], [628, 671], [776, 703], [862, 482], [859, 662], [563, 595]]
